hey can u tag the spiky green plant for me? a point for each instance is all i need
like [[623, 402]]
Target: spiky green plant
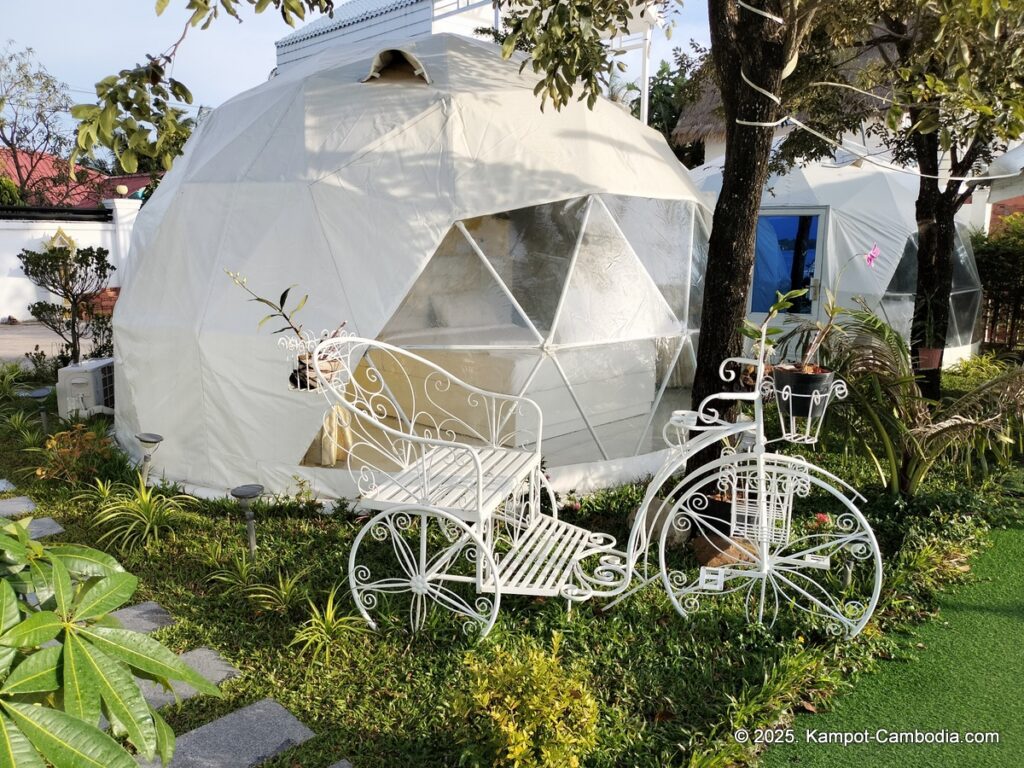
[[327, 630], [140, 517], [902, 432], [12, 376], [238, 575], [279, 596], [102, 492]]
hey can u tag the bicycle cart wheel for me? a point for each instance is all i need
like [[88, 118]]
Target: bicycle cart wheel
[[745, 540], [418, 559]]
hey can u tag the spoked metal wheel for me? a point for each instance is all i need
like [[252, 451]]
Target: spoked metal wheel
[[745, 540], [417, 559]]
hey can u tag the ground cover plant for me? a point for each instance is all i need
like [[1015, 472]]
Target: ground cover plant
[[667, 691]]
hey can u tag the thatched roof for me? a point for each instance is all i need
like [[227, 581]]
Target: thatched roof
[[701, 120], [704, 119]]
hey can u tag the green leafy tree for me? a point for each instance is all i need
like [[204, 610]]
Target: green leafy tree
[[9, 193], [952, 71], [755, 46], [34, 135], [65, 662], [670, 90], [1000, 258], [134, 113], [74, 275]]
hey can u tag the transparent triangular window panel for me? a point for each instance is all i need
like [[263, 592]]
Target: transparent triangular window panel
[[457, 301], [659, 231], [965, 269], [964, 308], [531, 249], [613, 388], [610, 296]]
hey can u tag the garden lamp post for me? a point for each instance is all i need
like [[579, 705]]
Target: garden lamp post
[[245, 494], [149, 441]]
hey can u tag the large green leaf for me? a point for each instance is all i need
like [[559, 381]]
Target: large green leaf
[[147, 655], [105, 595], [66, 741], [38, 628], [9, 612], [35, 674], [164, 738], [21, 582], [42, 581], [12, 546], [62, 590], [84, 562], [15, 750], [123, 698], [81, 691], [6, 658]]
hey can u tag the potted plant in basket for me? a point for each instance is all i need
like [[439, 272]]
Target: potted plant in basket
[[805, 385], [802, 388], [303, 375]]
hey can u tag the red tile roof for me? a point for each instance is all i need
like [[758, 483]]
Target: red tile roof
[[48, 179]]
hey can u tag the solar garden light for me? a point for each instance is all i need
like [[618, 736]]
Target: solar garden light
[[149, 441], [244, 494], [40, 395]]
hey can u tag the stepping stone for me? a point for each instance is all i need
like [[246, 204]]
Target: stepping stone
[[16, 507], [243, 739], [342, 764], [6, 485], [206, 661], [144, 617], [42, 527]]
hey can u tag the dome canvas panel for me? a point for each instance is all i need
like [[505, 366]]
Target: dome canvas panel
[[402, 207]]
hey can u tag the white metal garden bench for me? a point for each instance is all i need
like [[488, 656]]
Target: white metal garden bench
[[464, 513]]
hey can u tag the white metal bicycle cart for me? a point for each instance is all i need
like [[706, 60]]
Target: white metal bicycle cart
[[463, 513]]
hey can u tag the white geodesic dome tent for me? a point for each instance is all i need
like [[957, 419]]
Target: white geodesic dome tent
[[417, 192], [817, 223]]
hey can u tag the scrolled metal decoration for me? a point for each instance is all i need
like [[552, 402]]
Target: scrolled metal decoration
[[454, 475]]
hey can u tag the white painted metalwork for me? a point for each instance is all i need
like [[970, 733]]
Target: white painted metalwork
[[464, 512], [738, 510], [465, 515]]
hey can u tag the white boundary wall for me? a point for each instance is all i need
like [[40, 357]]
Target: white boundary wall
[[17, 292]]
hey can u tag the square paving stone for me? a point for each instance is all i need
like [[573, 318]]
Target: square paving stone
[[17, 506], [42, 527], [242, 739], [144, 617], [206, 661]]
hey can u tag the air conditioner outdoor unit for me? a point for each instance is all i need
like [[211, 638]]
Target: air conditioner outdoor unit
[[86, 389]]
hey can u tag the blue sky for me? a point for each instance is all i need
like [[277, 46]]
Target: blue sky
[[82, 47]]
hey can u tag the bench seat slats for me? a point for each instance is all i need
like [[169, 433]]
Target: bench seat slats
[[446, 478]]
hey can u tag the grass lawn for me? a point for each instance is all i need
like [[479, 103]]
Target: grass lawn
[[967, 678], [668, 690]]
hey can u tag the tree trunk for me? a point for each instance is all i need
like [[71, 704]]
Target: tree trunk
[[741, 41], [75, 347]]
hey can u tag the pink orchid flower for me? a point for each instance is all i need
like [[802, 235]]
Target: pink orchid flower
[[873, 254]]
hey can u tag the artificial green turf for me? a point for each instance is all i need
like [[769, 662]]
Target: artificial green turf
[[969, 677]]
